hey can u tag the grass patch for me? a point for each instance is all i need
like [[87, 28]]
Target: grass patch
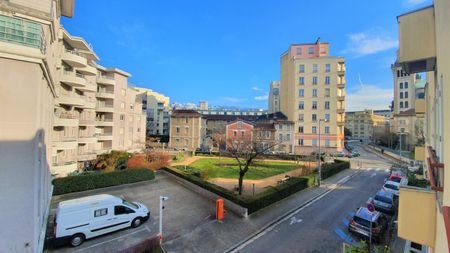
[[228, 168]]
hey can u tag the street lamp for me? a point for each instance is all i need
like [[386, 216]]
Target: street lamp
[[400, 140], [320, 155]]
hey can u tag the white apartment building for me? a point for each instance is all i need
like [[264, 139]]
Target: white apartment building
[[157, 108], [274, 97]]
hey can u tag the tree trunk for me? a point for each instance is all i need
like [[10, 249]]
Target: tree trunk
[[241, 181]]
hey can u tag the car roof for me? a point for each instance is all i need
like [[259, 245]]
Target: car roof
[[392, 183], [384, 193], [395, 176], [74, 204], [365, 214]]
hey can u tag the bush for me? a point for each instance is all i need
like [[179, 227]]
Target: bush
[[100, 180], [252, 203], [329, 170]]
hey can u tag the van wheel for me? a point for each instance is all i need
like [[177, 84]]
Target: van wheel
[[136, 222], [77, 240]]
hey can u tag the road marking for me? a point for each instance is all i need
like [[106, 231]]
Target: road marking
[[346, 222], [373, 175], [114, 239], [271, 226], [295, 220], [351, 214]]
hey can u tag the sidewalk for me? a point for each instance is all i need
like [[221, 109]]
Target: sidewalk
[[216, 237]]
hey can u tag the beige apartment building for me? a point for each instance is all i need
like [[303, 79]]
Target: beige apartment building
[[187, 130], [30, 74], [157, 108], [404, 89], [274, 97], [363, 123], [95, 110], [424, 214], [312, 94]]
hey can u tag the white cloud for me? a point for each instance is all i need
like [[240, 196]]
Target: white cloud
[[257, 89], [232, 100], [369, 42], [263, 97], [414, 2], [369, 97]]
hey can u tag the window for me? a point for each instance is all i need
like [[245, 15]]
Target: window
[[186, 142], [119, 210], [401, 85], [327, 117], [288, 137], [300, 142], [122, 117], [314, 68], [314, 129], [406, 94], [401, 104], [234, 133], [314, 80], [327, 92], [310, 50], [314, 142], [123, 91], [401, 94], [327, 105], [177, 130], [276, 91], [301, 117], [239, 124], [267, 134], [298, 51], [280, 137], [301, 105], [327, 67], [314, 117], [177, 140], [406, 85], [301, 68], [398, 73], [314, 92], [122, 105], [327, 129], [327, 80], [301, 80], [187, 120], [327, 143], [186, 130], [301, 93], [314, 105], [131, 106], [406, 104], [300, 129], [100, 212], [242, 134]]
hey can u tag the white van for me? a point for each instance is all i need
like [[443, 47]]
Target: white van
[[84, 218]]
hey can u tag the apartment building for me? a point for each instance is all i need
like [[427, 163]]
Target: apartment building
[[187, 130], [274, 97], [404, 89], [363, 123], [95, 110], [157, 108], [284, 131], [232, 111], [424, 214], [29, 60], [203, 105], [239, 135], [312, 94]]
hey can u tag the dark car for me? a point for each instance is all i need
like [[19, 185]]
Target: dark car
[[355, 153], [363, 220], [384, 202]]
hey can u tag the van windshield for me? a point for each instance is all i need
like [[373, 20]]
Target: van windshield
[[129, 204]]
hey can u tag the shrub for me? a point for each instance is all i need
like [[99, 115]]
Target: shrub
[[100, 180], [329, 170], [110, 161], [138, 161], [158, 159], [252, 203]]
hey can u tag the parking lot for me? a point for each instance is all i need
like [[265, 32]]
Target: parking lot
[[184, 211]]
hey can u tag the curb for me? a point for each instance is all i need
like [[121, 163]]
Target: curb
[[287, 215]]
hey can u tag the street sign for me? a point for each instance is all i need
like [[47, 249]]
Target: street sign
[[370, 207]]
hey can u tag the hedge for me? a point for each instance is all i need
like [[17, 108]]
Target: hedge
[[100, 180], [330, 169], [271, 195]]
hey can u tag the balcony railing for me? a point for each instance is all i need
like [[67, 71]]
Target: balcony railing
[[106, 77], [67, 115], [22, 32], [74, 52], [435, 170], [71, 73]]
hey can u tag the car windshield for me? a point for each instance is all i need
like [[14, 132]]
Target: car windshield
[[391, 186], [396, 179], [383, 199], [129, 204]]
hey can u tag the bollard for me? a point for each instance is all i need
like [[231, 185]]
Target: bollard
[[219, 210]]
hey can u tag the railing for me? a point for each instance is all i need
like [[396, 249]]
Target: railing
[[71, 95], [67, 115], [74, 52], [105, 91], [105, 105], [22, 32], [106, 77], [104, 120], [71, 73], [434, 170]]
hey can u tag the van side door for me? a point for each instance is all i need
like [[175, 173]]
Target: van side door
[[124, 215], [102, 220]]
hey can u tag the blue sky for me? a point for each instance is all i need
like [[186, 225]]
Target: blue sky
[[227, 52]]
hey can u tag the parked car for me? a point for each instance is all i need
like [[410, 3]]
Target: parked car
[[355, 153], [360, 223], [339, 154], [392, 187], [398, 179], [384, 202], [84, 218]]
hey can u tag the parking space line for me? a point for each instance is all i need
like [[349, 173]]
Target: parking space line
[[346, 222], [114, 239]]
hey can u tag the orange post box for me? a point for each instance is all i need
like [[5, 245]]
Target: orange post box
[[219, 209]]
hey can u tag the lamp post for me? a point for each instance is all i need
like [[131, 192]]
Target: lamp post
[[400, 140], [320, 156]]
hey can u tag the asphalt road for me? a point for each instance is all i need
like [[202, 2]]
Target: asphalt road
[[321, 227]]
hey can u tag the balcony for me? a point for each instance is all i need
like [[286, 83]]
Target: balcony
[[90, 87], [73, 79], [89, 103], [417, 44], [417, 215], [420, 106], [88, 70], [435, 171], [340, 110], [73, 58], [87, 122], [105, 94], [87, 156], [71, 98], [341, 69], [104, 122], [64, 168], [22, 32], [64, 143], [87, 139], [65, 119], [341, 98], [104, 108], [341, 85], [104, 136], [340, 122], [106, 80]]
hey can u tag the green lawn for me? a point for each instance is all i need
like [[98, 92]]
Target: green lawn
[[228, 168]]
